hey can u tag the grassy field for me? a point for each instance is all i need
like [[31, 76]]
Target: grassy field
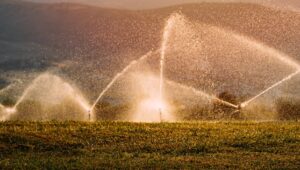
[[209, 145]]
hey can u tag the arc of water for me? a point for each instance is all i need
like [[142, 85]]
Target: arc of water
[[270, 88], [263, 47], [273, 52], [6, 111], [27, 90], [9, 111], [201, 93], [81, 101], [168, 27], [166, 34], [112, 82], [6, 88], [13, 110], [3, 90]]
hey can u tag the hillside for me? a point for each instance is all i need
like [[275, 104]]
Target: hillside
[[136, 4], [89, 45]]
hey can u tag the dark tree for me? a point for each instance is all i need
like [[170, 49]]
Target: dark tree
[[288, 108], [107, 111]]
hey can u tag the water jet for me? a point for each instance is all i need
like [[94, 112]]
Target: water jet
[[50, 92], [6, 88], [164, 45], [112, 82], [201, 93], [283, 60], [246, 103], [156, 105]]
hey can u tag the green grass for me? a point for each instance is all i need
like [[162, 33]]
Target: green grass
[[75, 145]]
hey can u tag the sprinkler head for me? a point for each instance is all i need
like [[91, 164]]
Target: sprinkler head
[[160, 114], [89, 114], [243, 105]]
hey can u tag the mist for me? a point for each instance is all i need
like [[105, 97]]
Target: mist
[[148, 4]]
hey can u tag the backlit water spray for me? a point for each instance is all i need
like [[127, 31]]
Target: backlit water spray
[[27, 90], [6, 88], [2, 91], [58, 91], [266, 49], [120, 74], [157, 102], [12, 110], [166, 34], [2, 107], [270, 88], [201, 93], [257, 45], [275, 53]]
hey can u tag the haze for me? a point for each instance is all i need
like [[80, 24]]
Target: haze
[[145, 4]]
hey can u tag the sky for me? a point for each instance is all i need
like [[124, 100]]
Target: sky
[[144, 4]]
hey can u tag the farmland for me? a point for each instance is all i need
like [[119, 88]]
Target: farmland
[[209, 145]]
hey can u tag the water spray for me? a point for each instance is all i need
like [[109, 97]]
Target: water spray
[[244, 104], [203, 94], [267, 49], [164, 45], [7, 111], [112, 82], [36, 82], [166, 34], [6, 88], [28, 89]]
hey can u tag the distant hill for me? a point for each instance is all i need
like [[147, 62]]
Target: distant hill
[[148, 4], [91, 44]]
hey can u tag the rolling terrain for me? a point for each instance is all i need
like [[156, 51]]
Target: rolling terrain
[[219, 145]]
